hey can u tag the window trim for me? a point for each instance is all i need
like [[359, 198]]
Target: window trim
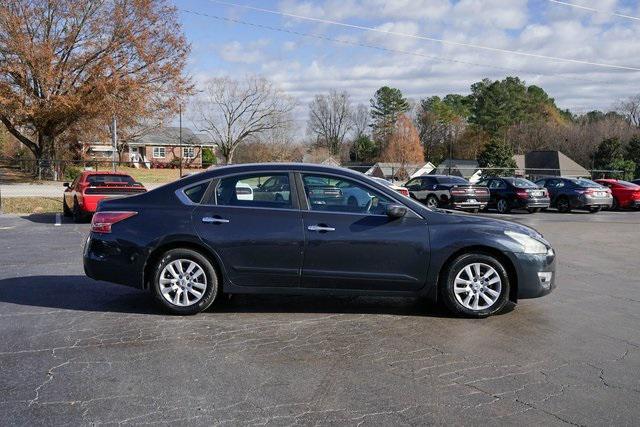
[[184, 156], [182, 196], [164, 152]]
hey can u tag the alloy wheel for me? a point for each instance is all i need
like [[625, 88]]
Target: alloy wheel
[[183, 282], [432, 202], [502, 206], [477, 286]]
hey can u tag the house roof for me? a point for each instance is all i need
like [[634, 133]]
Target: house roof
[[171, 136], [539, 163], [459, 167], [390, 170]]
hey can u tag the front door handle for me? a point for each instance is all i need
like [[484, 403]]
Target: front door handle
[[214, 220], [320, 228]]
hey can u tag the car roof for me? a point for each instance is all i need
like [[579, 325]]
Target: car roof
[[87, 173]]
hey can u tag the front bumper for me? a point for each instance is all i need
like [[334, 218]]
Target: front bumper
[[536, 274]]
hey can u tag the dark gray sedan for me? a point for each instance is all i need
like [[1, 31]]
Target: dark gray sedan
[[190, 241]]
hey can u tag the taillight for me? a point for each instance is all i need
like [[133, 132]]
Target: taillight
[[102, 221], [522, 194], [403, 191]]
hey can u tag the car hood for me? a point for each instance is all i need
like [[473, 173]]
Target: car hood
[[488, 223]]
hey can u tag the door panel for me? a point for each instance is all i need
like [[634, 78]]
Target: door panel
[[371, 252], [259, 247]]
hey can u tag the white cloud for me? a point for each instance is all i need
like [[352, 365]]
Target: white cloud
[[250, 53]]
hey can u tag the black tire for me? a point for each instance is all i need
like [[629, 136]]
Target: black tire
[[502, 205], [212, 283], [533, 210], [76, 212], [65, 209], [455, 267], [616, 205], [432, 201], [563, 205], [475, 211], [279, 198], [595, 209], [352, 202]]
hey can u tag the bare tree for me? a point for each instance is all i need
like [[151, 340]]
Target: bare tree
[[360, 120], [330, 119], [63, 62], [630, 108], [232, 111]]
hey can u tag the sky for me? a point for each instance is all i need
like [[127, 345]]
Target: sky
[[306, 57]]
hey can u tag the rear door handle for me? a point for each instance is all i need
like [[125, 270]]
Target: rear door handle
[[320, 228], [213, 220]]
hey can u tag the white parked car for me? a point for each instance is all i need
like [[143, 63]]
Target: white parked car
[[244, 191]]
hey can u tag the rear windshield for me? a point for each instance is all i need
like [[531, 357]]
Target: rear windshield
[[583, 182], [452, 180], [523, 183], [101, 179]]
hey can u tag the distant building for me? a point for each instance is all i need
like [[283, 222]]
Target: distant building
[[398, 171], [551, 163], [319, 159], [158, 147]]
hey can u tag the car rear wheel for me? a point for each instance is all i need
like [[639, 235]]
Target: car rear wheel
[[595, 209], [533, 210], [65, 208], [475, 285], [616, 205], [184, 282], [503, 206], [563, 205], [76, 212], [432, 201]]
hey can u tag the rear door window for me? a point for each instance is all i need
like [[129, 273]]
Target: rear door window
[[269, 190]]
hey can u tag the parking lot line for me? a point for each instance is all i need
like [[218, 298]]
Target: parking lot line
[[58, 220]]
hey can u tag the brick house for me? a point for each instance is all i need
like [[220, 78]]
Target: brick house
[[159, 147]]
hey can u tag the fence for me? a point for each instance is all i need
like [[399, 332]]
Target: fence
[[23, 189]]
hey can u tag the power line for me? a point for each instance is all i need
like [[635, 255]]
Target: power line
[[591, 9], [384, 49], [432, 39]]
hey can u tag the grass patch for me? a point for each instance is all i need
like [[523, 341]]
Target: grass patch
[[156, 176], [30, 205]]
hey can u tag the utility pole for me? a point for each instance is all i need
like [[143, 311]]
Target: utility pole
[[114, 142], [180, 137]]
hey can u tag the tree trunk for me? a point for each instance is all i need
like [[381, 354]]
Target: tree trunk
[[46, 156]]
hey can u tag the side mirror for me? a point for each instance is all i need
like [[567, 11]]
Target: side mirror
[[396, 211], [65, 184]]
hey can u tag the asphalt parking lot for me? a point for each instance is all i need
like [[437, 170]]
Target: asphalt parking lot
[[76, 351]]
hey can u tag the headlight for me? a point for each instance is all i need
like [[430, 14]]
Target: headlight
[[529, 244]]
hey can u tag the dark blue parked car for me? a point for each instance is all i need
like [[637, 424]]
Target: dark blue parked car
[[508, 193], [194, 239], [576, 193]]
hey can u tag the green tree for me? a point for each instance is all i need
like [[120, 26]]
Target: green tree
[[208, 157], [364, 149], [633, 153], [610, 155], [499, 104], [386, 106], [497, 155]]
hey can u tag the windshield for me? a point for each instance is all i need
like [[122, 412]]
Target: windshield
[[628, 184], [452, 180], [523, 183], [587, 183], [101, 179]]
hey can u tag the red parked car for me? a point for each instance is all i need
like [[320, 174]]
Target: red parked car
[[625, 194], [81, 197]]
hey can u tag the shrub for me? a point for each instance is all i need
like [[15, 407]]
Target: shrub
[[71, 173], [208, 157]]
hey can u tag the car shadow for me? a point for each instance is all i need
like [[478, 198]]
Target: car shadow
[[84, 294], [74, 293], [42, 218]]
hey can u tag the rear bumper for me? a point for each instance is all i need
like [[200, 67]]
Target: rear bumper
[[536, 274], [469, 202], [593, 202], [532, 203], [116, 262]]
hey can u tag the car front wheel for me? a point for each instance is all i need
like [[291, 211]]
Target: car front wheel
[[184, 282], [475, 285]]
